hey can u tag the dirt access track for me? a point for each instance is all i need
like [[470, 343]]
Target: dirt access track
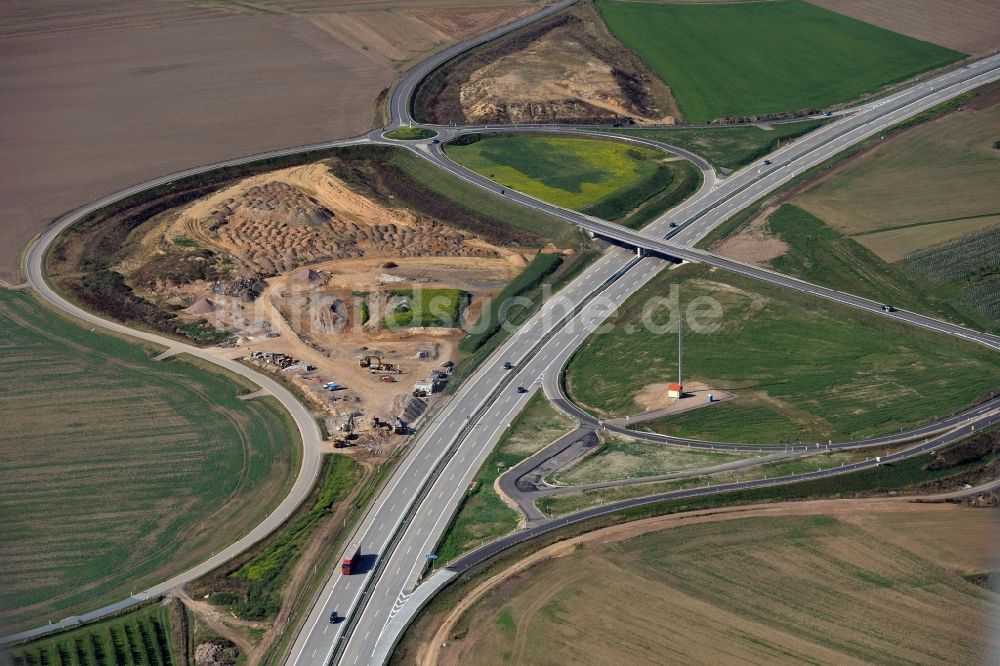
[[105, 94]]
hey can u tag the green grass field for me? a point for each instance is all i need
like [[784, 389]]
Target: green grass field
[[427, 308], [117, 470], [803, 369], [607, 179], [727, 148], [752, 58], [139, 638], [932, 176], [483, 516], [914, 221]]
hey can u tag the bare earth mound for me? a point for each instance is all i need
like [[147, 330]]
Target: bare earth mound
[[567, 68], [271, 225], [969, 26]]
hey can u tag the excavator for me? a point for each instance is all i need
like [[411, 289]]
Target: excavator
[[371, 362]]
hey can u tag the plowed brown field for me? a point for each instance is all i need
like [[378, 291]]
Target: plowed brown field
[[844, 582], [105, 94], [969, 26]]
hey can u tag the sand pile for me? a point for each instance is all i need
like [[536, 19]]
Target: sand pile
[[408, 408], [306, 276], [201, 306]]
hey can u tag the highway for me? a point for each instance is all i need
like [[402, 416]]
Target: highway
[[413, 509], [380, 602]]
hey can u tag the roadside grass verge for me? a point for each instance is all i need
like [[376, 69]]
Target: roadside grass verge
[[98, 502], [483, 516], [459, 193], [779, 57], [516, 304], [143, 637], [735, 223], [727, 148], [502, 307], [913, 221], [813, 369], [600, 177], [251, 585]]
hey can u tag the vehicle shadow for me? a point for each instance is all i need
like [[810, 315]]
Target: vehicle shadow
[[365, 563]]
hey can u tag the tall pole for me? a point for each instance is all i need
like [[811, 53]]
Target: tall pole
[[680, 348]]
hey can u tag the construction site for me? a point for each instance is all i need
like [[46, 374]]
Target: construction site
[[356, 305]]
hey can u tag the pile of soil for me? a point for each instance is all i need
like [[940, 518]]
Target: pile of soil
[[201, 306], [275, 227]]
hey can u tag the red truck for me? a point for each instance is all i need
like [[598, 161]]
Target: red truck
[[350, 559]]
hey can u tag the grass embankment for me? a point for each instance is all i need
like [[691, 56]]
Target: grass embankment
[[779, 57], [972, 460], [727, 148], [912, 221], [411, 134], [118, 470], [557, 505], [139, 638], [483, 516], [604, 178], [616, 458], [958, 280], [735, 223], [443, 187], [803, 369], [427, 307], [251, 585], [502, 308]]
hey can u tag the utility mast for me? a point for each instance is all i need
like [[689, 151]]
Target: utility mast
[[680, 349]]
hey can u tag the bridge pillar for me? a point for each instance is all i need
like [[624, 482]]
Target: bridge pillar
[[640, 252]]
